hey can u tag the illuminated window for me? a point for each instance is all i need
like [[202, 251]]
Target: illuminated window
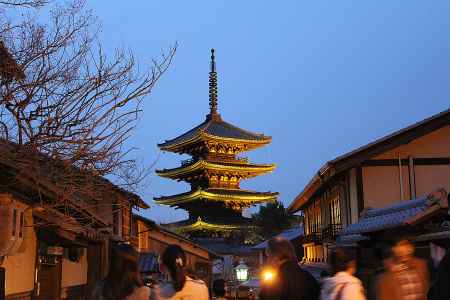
[[335, 210]]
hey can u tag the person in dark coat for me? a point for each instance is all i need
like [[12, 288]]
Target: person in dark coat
[[287, 280], [440, 287]]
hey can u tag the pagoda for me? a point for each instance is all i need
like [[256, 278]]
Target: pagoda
[[215, 201]]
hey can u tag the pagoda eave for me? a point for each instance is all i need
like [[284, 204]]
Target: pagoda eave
[[247, 198], [244, 170], [200, 225], [202, 137]]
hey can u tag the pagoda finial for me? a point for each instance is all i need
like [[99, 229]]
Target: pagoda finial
[[213, 87]]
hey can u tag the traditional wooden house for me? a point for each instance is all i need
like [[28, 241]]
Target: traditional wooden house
[[402, 166], [152, 239], [54, 244]]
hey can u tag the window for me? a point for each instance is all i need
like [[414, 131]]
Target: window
[[335, 210], [313, 218], [21, 225], [14, 222]]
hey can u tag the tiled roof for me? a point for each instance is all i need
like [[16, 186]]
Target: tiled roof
[[289, 234], [389, 217], [217, 128], [350, 239], [223, 191], [202, 164], [217, 194], [212, 220], [399, 214]]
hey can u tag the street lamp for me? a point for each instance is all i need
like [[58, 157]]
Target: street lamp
[[241, 271]]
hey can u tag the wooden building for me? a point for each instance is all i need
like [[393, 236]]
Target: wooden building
[[405, 165], [215, 201], [52, 249]]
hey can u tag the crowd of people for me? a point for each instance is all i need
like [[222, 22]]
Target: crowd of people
[[124, 282], [404, 276]]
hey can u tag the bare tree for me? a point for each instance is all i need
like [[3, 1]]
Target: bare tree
[[24, 3], [71, 102]]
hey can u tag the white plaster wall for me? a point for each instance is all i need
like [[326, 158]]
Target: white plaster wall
[[20, 268], [74, 273]]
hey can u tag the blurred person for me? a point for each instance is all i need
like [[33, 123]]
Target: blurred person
[[406, 276], [324, 274], [288, 281], [123, 281], [440, 288], [343, 285], [219, 289], [180, 286], [383, 253]]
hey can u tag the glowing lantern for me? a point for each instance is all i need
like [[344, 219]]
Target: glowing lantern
[[268, 275], [241, 271]]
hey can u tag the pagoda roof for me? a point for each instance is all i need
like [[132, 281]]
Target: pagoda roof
[[228, 224], [214, 128], [218, 194], [255, 169]]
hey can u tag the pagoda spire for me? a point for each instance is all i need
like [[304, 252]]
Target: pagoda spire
[[213, 88]]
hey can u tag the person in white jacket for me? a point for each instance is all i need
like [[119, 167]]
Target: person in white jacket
[[343, 285], [180, 286]]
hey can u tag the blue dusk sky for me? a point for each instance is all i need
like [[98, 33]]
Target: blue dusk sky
[[320, 77]]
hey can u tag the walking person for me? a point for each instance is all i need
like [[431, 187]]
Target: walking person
[[123, 281], [219, 289], [440, 288], [289, 280], [180, 286], [406, 277], [343, 285]]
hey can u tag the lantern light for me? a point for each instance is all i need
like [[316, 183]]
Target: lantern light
[[241, 271], [268, 275]]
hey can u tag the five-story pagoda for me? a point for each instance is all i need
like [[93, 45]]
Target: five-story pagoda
[[215, 201]]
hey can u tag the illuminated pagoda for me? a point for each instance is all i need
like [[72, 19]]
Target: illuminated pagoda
[[215, 201]]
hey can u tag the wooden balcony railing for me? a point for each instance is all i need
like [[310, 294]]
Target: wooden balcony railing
[[313, 237], [331, 231]]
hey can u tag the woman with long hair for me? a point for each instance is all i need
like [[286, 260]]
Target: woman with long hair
[[123, 281], [180, 286], [288, 281]]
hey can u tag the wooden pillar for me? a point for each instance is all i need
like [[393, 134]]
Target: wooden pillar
[[412, 178], [2, 283], [360, 189]]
